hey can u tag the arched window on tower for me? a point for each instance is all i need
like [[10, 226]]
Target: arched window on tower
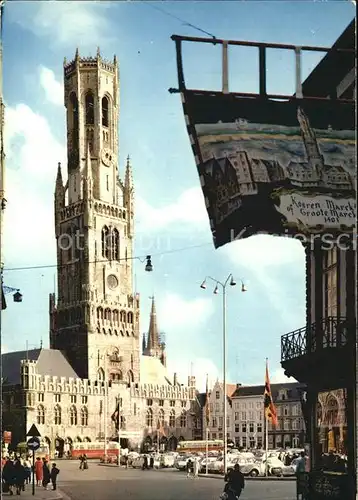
[[115, 244], [105, 241], [89, 103], [105, 111], [100, 375], [74, 117]]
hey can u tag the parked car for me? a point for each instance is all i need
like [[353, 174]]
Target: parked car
[[181, 462], [203, 463], [167, 460], [137, 462]]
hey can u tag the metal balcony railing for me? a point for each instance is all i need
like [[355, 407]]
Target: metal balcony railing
[[331, 332]]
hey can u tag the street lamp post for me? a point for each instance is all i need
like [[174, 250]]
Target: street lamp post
[[229, 281]]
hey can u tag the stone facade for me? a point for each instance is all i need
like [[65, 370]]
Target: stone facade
[[94, 320], [215, 401], [248, 419]]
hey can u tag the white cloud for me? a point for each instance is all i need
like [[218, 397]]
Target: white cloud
[[264, 251], [178, 314], [279, 377], [32, 154], [53, 89], [189, 208], [260, 255], [68, 24]]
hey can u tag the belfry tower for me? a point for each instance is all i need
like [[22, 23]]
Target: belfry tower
[[314, 157], [95, 319], [153, 346]]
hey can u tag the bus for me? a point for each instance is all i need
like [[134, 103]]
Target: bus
[[42, 452], [200, 446], [95, 449]]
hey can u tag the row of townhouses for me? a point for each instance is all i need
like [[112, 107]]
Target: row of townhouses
[[246, 419]]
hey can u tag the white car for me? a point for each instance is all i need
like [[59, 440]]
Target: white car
[[181, 462], [167, 460], [203, 463]]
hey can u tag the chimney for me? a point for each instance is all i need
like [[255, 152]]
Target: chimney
[[238, 386]]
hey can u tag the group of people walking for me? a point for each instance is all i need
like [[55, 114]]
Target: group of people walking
[[16, 473], [192, 468]]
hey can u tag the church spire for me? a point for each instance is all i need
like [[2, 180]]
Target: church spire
[[143, 344], [59, 181], [128, 179], [153, 334]]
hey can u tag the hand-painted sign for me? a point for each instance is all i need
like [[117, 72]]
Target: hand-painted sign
[[277, 167]]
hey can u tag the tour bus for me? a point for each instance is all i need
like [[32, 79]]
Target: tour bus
[[95, 449], [42, 452], [200, 446]]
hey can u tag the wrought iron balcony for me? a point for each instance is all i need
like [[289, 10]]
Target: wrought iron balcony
[[332, 332]]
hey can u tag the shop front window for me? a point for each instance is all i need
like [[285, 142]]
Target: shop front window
[[331, 421]]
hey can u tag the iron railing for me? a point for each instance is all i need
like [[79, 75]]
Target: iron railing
[[331, 332]]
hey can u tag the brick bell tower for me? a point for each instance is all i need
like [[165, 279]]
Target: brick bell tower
[[95, 319]]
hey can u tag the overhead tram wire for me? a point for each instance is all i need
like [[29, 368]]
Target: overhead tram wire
[[182, 21], [141, 258]]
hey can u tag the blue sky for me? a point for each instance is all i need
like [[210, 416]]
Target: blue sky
[[169, 206]]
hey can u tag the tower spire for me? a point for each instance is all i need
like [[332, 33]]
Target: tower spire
[[153, 334], [128, 179], [59, 181]]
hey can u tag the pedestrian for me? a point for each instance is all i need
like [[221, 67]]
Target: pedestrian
[[8, 475], [85, 462], [38, 471], [20, 475], [145, 462], [196, 467], [54, 473], [46, 475], [151, 462], [189, 468], [27, 466], [235, 482]]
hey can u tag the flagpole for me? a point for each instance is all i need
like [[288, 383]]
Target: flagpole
[[105, 413], [207, 418], [266, 446], [207, 449]]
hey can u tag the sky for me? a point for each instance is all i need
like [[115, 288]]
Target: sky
[[171, 219]]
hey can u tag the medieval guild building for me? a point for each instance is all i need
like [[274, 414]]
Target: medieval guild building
[[96, 359]]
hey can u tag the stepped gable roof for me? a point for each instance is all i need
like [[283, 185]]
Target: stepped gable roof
[[49, 362]]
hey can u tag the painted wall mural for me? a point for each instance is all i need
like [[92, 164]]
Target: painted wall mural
[[277, 167]]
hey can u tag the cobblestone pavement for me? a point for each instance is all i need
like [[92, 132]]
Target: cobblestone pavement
[[40, 494], [113, 483]]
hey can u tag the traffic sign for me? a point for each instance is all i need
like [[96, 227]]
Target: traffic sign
[[33, 443], [33, 432]]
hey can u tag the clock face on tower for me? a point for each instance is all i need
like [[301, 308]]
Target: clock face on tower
[[112, 281], [107, 157]]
